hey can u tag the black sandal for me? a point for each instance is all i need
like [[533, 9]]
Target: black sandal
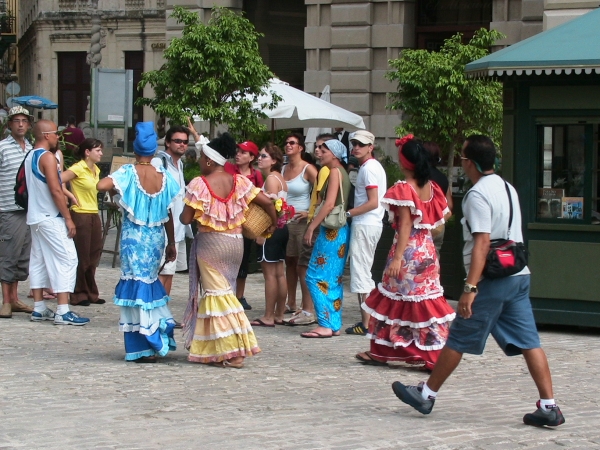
[[369, 361]]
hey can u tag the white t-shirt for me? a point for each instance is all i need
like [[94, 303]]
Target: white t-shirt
[[370, 175], [180, 230], [486, 209]]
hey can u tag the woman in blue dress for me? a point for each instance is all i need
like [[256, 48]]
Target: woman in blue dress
[[326, 266], [146, 194]]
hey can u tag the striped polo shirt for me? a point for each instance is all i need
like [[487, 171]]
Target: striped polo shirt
[[11, 156]]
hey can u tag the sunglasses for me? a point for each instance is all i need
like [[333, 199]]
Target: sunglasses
[[263, 155], [291, 143], [358, 143], [181, 141]]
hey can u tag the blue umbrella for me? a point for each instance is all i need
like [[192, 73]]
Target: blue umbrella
[[35, 101]]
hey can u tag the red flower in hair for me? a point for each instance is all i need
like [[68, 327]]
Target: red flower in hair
[[403, 140]]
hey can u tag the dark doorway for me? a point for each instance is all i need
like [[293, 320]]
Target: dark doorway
[[282, 48], [135, 61], [73, 86], [438, 20]]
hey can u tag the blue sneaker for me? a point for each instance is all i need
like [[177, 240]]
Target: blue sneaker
[[47, 314], [70, 318]]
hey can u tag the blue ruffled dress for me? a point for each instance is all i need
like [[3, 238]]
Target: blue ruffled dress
[[146, 320]]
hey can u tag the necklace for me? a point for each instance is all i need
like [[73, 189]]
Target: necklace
[[143, 163]]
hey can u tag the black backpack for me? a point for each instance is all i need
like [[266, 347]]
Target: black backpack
[[21, 194]]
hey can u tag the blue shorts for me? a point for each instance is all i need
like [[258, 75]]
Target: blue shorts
[[502, 308]]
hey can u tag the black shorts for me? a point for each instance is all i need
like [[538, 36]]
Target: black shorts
[[273, 249], [243, 271]]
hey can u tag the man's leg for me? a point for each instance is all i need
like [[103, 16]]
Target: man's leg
[[6, 310], [537, 363], [446, 364], [167, 282]]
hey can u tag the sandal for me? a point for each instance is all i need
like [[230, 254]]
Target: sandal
[[233, 365], [367, 359]]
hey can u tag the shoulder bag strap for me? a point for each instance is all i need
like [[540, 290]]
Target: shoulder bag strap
[[510, 217], [341, 193]]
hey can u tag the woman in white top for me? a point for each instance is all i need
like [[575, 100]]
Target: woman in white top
[[300, 176], [271, 252]]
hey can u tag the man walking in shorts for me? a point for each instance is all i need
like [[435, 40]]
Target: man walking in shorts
[[15, 239], [498, 306], [53, 260], [176, 144], [367, 215]]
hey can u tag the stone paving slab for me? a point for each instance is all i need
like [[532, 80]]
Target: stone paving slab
[[69, 387]]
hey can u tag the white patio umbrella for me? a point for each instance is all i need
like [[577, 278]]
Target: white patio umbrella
[[312, 133], [297, 109]]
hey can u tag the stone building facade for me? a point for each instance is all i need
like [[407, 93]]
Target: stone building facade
[[308, 43]]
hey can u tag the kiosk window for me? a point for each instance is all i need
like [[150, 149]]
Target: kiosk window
[[566, 184]]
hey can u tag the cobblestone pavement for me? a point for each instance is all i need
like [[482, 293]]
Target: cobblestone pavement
[[69, 387]]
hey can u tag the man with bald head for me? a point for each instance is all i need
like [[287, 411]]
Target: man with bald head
[[53, 259]]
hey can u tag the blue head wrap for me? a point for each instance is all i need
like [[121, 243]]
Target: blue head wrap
[[338, 149], [145, 139]]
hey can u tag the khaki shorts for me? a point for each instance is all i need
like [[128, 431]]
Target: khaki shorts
[[294, 245], [15, 246], [306, 251]]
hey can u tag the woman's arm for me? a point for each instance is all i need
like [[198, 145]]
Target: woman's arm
[[311, 173], [105, 184], [404, 228], [271, 186], [171, 250], [187, 215], [333, 190]]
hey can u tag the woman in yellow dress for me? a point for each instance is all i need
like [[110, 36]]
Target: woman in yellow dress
[[216, 329]]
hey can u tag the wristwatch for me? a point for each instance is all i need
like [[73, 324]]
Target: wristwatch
[[347, 213], [470, 288]]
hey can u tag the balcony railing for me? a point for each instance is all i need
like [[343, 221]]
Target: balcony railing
[[8, 19], [85, 5]]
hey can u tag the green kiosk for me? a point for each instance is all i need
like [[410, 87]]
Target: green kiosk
[[551, 153]]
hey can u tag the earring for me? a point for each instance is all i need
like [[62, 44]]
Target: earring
[[208, 163]]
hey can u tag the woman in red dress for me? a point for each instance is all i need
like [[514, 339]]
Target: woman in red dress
[[409, 315]]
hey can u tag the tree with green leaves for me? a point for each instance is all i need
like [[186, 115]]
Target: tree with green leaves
[[440, 103], [214, 71]]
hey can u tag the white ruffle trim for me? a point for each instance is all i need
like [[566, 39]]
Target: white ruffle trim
[[413, 211], [409, 298], [406, 323], [426, 348], [228, 312], [143, 280], [212, 337], [217, 292]]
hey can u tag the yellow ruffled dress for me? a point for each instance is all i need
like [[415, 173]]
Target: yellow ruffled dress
[[215, 326]]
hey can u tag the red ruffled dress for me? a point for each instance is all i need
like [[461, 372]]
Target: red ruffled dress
[[410, 317]]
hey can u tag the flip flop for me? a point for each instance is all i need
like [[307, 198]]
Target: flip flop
[[315, 335], [260, 323], [290, 311], [369, 360], [279, 322]]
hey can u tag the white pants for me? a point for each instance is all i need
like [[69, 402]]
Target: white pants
[[180, 262], [53, 260], [363, 242]]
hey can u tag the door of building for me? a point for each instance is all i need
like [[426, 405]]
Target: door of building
[[73, 86]]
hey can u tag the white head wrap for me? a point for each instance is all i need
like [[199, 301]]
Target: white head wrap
[[202, 145], [213, 155]]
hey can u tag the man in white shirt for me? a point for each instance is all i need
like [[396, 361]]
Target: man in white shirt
[[367, 216], [176, 144], [501, 306]]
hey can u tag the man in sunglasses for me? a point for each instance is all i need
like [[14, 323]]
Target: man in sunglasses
[[367, 225], [176, 144]]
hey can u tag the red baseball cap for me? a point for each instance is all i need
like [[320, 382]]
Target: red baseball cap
[[249, 146]]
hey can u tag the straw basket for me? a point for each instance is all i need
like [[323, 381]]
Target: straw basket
[[257, 222]]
